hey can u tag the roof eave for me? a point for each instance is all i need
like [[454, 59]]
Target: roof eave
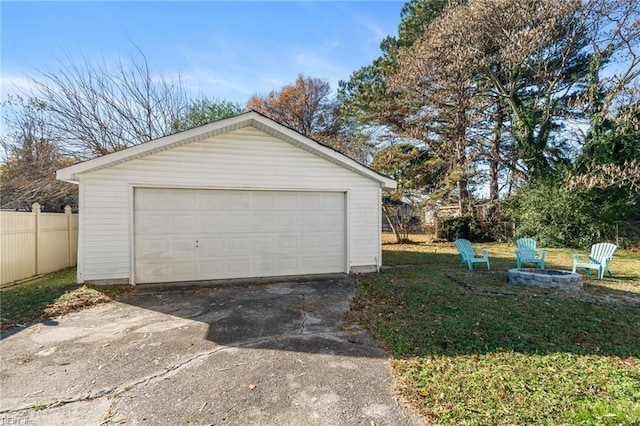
[[252, 118]]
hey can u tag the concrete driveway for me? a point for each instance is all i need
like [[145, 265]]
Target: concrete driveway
[[270, 354]]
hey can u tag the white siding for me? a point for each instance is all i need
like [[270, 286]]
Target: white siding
[[244, 159]]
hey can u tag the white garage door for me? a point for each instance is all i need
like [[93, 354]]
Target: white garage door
[[190, 234]]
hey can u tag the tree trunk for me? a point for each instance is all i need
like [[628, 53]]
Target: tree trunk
[[494, 156], [390, 220], [461, 148]]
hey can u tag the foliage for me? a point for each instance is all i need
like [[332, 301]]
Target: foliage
[[452, 228], [558, 216], [612, 91], [364, 95], [31, 157], [491, 84], [611, 155], [53, 294], [609, 175], [300, 106], [468, 348], [306, 107], [204, 111], [487, 226]]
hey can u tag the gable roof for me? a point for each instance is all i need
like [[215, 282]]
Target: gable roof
[[247, 119]]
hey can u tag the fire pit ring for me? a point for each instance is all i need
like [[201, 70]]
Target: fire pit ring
[[546, 278]]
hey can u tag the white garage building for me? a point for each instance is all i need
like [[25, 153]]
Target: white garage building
[[242, 197]]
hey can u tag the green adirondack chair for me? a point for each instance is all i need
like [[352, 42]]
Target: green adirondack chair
[[600, 257], [527, 252], [469, 255]]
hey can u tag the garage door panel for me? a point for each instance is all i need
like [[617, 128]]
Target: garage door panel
[[334, 221], [332, 262], [261, 222], [286, 221], [286, 243], [237, 245], [265, 201], [152, 272], [310, 263], [182, 247], [236, 221], [183, 269], [211, 267], [238, 200], [310, 202], [151, 200], [288, 265], [210, 200], [332, 203], [183, 223], [208, 223], [307, 243], [287, 200], [262, 266], [208, 246], [151, 223], [262, 244], [238, 234], [151, 248], [239, 268]]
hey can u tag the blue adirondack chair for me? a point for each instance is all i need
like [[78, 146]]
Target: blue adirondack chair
[[527, 252], [469, 255], [600, 257]]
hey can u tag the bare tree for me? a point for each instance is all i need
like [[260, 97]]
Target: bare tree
[[102, 109], [31, 156]]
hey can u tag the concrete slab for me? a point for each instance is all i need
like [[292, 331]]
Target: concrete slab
[[274, 353]]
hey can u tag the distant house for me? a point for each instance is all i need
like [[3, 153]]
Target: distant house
[[241, 197], [404, 215], [431, 214]]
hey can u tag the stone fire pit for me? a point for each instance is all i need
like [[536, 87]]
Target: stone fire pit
[[546, 278]]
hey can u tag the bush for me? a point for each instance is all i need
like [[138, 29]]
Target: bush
[[452, 228], [557, 216]]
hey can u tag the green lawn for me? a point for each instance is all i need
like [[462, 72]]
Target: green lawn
[[53, 294], [468, 348]]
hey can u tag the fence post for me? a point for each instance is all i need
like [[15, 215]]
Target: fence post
[[35, 208], [67, 212]]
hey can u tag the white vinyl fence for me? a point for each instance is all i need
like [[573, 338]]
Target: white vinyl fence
[[33, 243]]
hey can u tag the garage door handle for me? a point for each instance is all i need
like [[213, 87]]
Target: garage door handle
[[197, 244]]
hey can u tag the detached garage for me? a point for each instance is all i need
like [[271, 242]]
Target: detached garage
[[239, 198]]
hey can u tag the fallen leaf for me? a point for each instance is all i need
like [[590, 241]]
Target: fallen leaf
[[252, 386]]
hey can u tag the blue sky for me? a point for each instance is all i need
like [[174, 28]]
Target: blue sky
[[225, 50]]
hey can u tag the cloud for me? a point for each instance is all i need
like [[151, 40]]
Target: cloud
[[377, 33], [14, 84]]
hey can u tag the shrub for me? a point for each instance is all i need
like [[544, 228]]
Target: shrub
[[452, 228], [557, 216]]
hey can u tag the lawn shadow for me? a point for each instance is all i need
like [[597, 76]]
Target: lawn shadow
[[435, 306]]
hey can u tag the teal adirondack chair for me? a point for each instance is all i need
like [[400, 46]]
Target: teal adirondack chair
[[469, 255], [527, 252], [600, 257]]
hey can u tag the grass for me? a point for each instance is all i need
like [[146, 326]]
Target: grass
[[468, 348], [51, 295]]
